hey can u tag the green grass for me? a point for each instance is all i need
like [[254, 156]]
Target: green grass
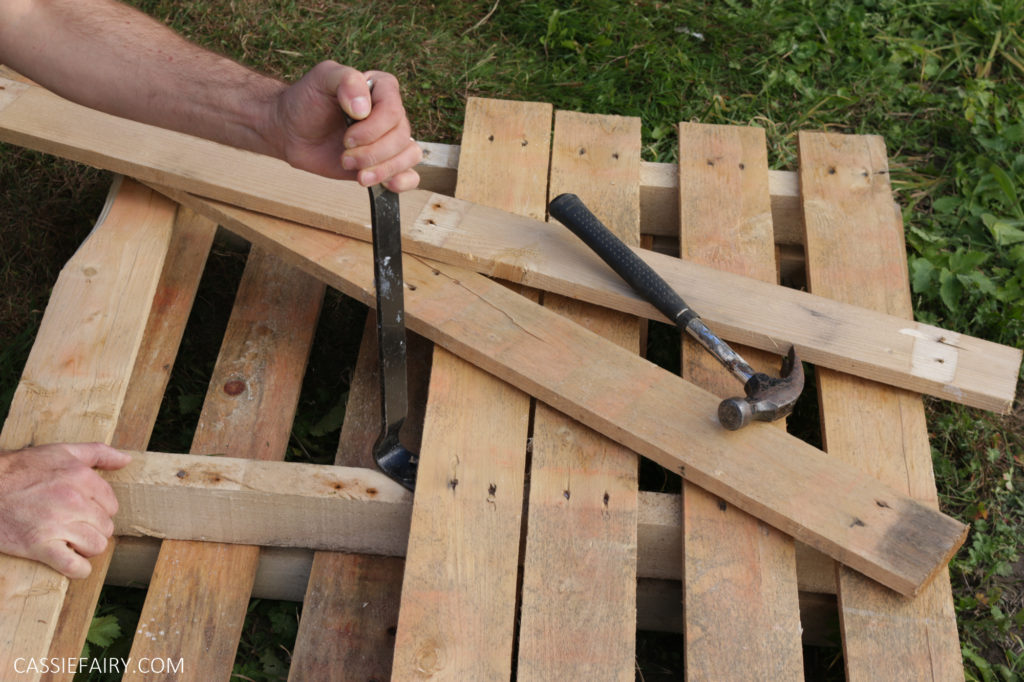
[[940, 80]]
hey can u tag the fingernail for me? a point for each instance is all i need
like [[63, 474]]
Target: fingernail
[[361, 107], [368, 178], [348, 163]]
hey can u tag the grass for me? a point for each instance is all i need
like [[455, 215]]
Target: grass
[[940, 80]]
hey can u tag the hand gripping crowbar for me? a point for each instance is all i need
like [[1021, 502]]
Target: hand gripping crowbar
[[768, 398], [389, 453]]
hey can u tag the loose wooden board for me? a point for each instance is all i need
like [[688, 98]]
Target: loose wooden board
[[158, 503], [831, 334], [771, 475], [75, 380], [854, 252], [739, 575]]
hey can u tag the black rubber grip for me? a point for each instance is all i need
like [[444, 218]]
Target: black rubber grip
[[569, 210]]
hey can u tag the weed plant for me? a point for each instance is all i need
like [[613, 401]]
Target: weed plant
[[939, 80]]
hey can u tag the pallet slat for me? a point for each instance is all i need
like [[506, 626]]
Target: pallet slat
[[199, 593], [76, 379], [855, 340], [458, 609], [855, 253], [579, 567], [191, 238], [740, 585], [638, 405]]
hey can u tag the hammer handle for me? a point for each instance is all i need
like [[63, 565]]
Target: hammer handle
[[569, 210]]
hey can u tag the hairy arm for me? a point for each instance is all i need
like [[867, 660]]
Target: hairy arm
[[111, 57]]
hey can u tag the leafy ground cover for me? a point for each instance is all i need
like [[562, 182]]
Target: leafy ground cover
[[940, 80]]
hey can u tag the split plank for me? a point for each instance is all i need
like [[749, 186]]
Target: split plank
[[900, 542], [75, 380], [458, 610], [579, 569], [190, 243], [739, 575], [851, 339], [199, 594], [855, 253]]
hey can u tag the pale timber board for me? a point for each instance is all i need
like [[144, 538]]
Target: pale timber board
[[197, 600], [458, 610], [342, 509], [832, 507], [578, 617], [659, 187], [75, 380], [854, 340], [855, 253], [190, 243], [739, 575]]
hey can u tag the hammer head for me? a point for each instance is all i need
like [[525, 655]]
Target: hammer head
[[768, 398]]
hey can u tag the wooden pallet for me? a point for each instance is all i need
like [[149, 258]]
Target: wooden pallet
[[528, 549]]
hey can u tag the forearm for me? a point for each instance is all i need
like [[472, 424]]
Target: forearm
[[108, 56]]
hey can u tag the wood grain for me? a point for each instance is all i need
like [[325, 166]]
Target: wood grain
[[901, 543], [848, 338], [75, 381], [459, 594], [190, 243], [199, 593], [739, 575], [579, 568], [855, 253]]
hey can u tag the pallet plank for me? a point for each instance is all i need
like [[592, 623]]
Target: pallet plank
[[190, 243], [199, 593], [524, 250], [459, 593], [75, 380], [637, 404], [740, 586], [579, 569], [855, 252]]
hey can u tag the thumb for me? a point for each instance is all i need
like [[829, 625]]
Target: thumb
[[352, 89], [99, 455]]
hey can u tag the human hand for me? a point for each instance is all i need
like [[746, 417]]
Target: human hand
[[311, 126], [54, 507]]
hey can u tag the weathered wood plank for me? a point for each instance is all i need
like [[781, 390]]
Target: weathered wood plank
[[855, 253], [272, 508], [637, 404], [739, 575], [75, 381], [458, 610], [847, 338], [190, 243], [199, 593], [578, 609]]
